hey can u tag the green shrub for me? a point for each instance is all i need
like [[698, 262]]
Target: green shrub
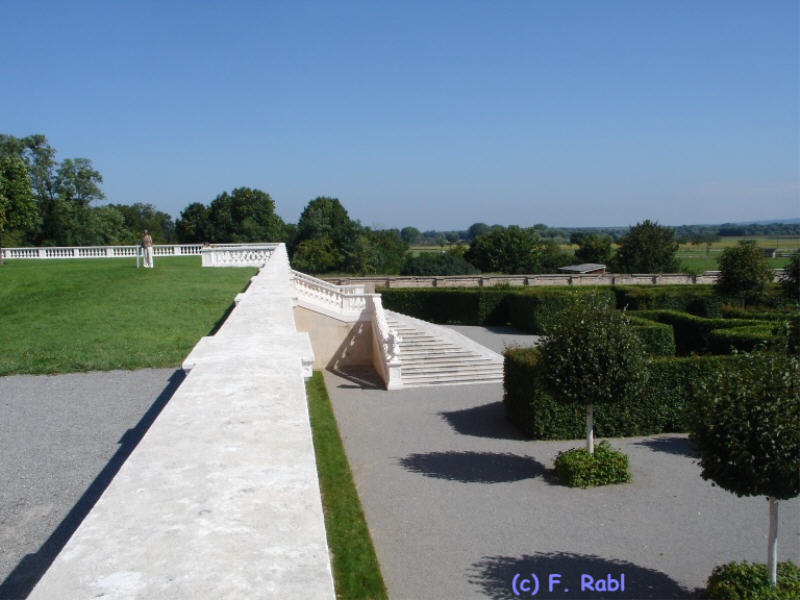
[[658, 338], [698, 300], [742, 339], [534, 309], [578, 468], [660, 409], [747, 581], [763, 313], [456, 306], [692, 332]]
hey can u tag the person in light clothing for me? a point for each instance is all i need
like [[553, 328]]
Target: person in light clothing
[[147, 246]]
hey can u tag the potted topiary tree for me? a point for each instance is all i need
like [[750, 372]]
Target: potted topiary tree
[[745, 425], [591, 355]]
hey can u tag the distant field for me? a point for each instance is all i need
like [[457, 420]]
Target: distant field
[[60, 316]]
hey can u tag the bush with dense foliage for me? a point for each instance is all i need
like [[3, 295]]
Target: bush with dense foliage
[[698, 300], [437, 263], [658, 338], [647, 248], [790, 280], [659, 409], [744, 272], [515, 250], [578, 468], [746, 581], [745, 425], [591, 355], [694, 334]]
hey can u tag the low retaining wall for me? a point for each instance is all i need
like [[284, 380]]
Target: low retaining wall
[[371, 283], [220, 499]]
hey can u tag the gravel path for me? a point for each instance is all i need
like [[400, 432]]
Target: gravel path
[[62, 440], [458, 502]]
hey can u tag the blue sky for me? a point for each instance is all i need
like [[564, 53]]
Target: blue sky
[[436, 114]]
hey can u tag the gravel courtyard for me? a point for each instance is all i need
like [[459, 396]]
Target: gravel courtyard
[[62, 440], [458, 503]]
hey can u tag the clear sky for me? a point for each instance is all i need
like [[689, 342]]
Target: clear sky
[[436, 114]]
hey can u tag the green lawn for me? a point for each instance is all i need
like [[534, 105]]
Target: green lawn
[[61, 316], [356, 572]]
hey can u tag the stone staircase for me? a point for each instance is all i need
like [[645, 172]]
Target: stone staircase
[[436, 355]]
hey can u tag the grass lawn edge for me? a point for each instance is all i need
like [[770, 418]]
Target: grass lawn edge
[[356, 571]]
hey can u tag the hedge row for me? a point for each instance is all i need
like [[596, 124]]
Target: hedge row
[[529, 309], [693, 334], [658, 338], [698, 300], [530, 406]]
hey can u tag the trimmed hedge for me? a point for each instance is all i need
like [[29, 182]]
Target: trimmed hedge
[[750, 581], [743, 339], [578, 468], [693, 333], [699, 300], [658, 338], [529, 309], [533, 309], [530, 406]]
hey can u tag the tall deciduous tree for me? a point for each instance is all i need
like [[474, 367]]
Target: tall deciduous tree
[[594, 249], [745, 425], [744, 272], [326, 218], [592, 355], [194, 224], [647, 248], [17, 206], [245, 215], [514, 250]]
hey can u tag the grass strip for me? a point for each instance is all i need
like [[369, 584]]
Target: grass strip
[[62, 316], [356, 571]]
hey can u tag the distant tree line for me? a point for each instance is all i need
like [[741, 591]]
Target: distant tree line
[[44, 202]]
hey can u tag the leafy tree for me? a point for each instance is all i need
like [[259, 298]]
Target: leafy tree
[[140, 216], [745, 425], [790, 280], [514, 250], [410, 235], [245, 215], [594, 249], [105, 225], [476, 230], [17, 207], [647, 248], [452, 237], [438, 263], [318, 255], [388, 251], [194, 224], [326, 218], [592, 355], [744, 272]]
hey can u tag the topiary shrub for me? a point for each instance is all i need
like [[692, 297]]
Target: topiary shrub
[[591, 355], [578, 468], [742, 339], [745, 425], [747, 581], [534, 309]]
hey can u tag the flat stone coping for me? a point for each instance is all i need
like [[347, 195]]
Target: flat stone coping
[[220, 499]]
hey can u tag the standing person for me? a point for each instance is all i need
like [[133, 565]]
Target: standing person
[[147, 245]]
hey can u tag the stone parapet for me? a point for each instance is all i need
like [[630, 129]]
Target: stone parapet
[[220, 499]]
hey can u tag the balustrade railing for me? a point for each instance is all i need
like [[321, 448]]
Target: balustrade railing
[[237, 255], [350, 303], [129, 251]]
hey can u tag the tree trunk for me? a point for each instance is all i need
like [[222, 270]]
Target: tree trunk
[[772, 542], [590, 428]]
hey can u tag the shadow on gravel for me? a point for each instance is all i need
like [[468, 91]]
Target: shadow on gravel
[[30, 569], [474, 467], [670, 445], [496, 576], [487, 421]]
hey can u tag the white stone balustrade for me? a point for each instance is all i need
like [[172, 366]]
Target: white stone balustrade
[[346, 303], [386, 345], [237, 255]]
